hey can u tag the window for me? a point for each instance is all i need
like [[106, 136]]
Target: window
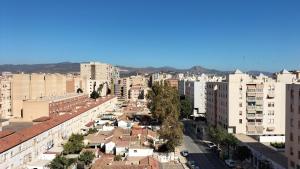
[[241, 104], [298, 155], [292, 94], [292, 164], [291, 151], [135, 151], [241, 113], [241, 121], [292, 122], [291, 137]]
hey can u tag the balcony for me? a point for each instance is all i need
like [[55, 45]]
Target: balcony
[[251, 99], [271, 95], [250, 123], [251, 90], [259, 116], [259, 108], [250, 116], [249, 107]]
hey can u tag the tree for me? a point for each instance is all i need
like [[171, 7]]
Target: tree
[[186, 107], [86, 157], [60, 162], [94, 95], [74, 144], [164, 104], [92, 131], [242, 153], [79, 90], [118, 158], [229, 141], [171, 131], [163, 101], [221, 136]]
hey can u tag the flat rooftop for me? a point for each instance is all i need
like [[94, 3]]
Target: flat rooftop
[[266, 151]]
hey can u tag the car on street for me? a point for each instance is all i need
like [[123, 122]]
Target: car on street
[[230, 163], [184, 153], [210, 144]]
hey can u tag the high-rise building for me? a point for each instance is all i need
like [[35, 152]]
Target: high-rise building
[[34, 86], [101, 72], [195, 90], [249, 105], [292, 139], [5, 96]]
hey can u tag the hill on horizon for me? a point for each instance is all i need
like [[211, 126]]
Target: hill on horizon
[[69, 67]]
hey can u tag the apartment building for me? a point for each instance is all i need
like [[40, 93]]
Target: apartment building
[[195, 90], [19, 149], [173, 83], [250, 105], [122, 87], [159, 77], [102, 72], [5, 96], [33, 86], [52, 106], [292, 139]]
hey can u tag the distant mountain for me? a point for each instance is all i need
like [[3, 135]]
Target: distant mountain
[[64, 67], [69, 67]]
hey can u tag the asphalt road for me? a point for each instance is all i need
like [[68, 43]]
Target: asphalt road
[[203, 157]]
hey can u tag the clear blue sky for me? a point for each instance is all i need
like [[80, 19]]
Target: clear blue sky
[[224, 34]]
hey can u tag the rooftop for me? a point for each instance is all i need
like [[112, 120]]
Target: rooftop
[[266, 151], [23, 135]]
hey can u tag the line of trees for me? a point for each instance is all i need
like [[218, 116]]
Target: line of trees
[[164, 104], [73, 146]]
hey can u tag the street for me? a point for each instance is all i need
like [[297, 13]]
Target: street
[[203, 158]]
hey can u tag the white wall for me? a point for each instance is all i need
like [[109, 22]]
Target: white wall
[[140, 152]]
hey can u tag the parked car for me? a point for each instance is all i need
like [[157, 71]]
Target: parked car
[[210, 144], [230, 163], [191, 164], [184, 153]]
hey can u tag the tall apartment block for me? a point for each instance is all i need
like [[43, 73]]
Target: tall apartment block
[[292, 139], [101, 72], [195, 90], [159, 77], [35, 86], [250, 105], [5, 96], [122, 86]]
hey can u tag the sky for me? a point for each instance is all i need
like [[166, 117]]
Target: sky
[[220, 34]]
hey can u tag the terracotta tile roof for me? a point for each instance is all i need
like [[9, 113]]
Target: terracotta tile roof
[[21, 136], [106, 162], [41, 119], [5, 133]]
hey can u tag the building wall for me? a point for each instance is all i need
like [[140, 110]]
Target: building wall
[[292, 139], [35, 109], [20, 91], [248, 105], [31, 150], [5, 97], [140, 152], [99, 71]]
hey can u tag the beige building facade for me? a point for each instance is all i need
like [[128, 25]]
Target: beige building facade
[[292, 144], [249, 105], [102, 72], [5, 96], [34, 86]]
